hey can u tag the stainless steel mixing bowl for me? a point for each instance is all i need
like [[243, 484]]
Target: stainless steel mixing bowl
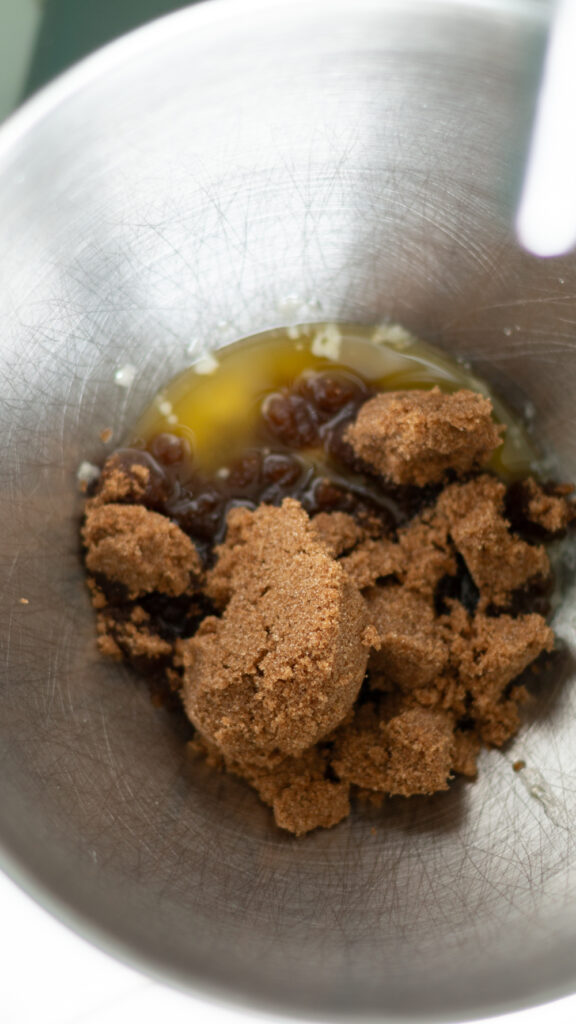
[[238, 165]]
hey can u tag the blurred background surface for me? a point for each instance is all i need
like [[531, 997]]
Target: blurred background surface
[[41, 38]]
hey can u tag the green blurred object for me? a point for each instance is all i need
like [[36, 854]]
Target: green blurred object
[[71, 29], [19, 24]]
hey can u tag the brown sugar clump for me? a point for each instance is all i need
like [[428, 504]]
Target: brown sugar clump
[[498, 651], [412, 649], [140, 549], [501, 721], [427, 553], [273, 775], [284, 664], [133, 639], [459, 500], [131, 477], [409, 754], [361, 753], [552, 512], [471, 515], [374, 560], [118, 484], [420, 557], [301, 796], [339, 531], [421, 747], [415, 437], [498, 562], [466, 749], [488, 659], [304, 806], [97, 595]]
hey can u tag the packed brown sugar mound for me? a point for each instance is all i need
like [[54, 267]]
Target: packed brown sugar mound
[[322, 655], [415, 437], [283, 664], [139, 549]]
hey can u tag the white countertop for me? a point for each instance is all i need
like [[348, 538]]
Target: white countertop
[[48, 974]]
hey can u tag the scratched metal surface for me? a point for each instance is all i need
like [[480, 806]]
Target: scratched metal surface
[[244, 162]]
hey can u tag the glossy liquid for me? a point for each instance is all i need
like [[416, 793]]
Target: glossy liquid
[[216, 404]]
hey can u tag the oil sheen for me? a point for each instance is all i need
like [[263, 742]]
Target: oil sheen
[[215, 405]]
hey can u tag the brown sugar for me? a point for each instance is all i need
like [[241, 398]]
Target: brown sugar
[[116, 484], [361, 754], [468, 518], [408, 754], [326, 648], [131, 478], [133, 639], [140, 549], [421, 747], [467, 746], [427, 553], [339, 531], [552, 512], [412, 650], [415, 437], [296, 789], [374, 560], [497, 651], [487, 656], [420, 557], [300, 795], [459, 500], [284, 663], [302, 807], [499, 563]]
